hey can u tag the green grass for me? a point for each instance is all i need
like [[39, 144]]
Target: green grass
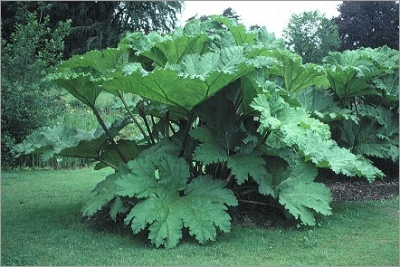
[[41, 225]]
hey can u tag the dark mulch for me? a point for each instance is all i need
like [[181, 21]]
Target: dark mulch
[[362, 190]]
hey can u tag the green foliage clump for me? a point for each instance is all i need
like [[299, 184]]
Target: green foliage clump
[[221, 108], [27, 102], [311, 35], [368, 24]]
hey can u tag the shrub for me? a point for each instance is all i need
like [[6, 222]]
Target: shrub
[[220, 107]]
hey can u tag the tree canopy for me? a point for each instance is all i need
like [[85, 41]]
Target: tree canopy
[[311, 35], [98, 24], [368, 24], [36, 36], [28, 54]]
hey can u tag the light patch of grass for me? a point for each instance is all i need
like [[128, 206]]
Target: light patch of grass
[[41, 225]]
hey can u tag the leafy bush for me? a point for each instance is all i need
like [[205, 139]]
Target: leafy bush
[[220, 107], [26, 101], [363, 103]]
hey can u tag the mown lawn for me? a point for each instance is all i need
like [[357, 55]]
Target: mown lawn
[[41, 225]]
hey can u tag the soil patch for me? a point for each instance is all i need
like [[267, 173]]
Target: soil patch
[[362, 190]]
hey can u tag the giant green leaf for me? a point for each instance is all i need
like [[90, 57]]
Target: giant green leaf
[[298, 76], [241, 36], [161, 180], [175, 50], [101, 61], [169, 87], [389, 84], [268, 40], [82, 86], [105, 192], [164, 214], [243, 166], [370, 139], [313, 99], [321, 106], [350, 72], [70, 142], [83, 75], [211, 190], [311, 138], [327, 154], [167, 49], [360, 61], [189, 83], [345, 83], [52, 140], [262, 104], [300, 195]]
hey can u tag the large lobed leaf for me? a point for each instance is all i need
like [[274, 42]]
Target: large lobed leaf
[[320, 104], [327, 154], [105, 192], [192, 81], [300, 195], [242, 166], [171, 203], [350, 72], [312, 139], [71, 142], [167, 49], [345, 82], [389, 85], [375, 133]]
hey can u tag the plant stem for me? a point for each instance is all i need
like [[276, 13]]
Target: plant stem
[[110, 137], [166, 125], [133, 117], [229, 177], [253, 202], [148, 130], [154, 128], [109, 164], [263, 139], [260, 203], [186, 134]]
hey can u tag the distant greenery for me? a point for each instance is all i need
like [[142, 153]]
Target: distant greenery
[[27, 102], [311, 35], [37, 35], [41, 225], [97, 24], [368, 24]]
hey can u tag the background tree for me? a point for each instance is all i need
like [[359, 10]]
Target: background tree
[[27, 56], [255, 27], [100, 24], [311, 35], [33, 42], [229, 13], [368, 24]]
